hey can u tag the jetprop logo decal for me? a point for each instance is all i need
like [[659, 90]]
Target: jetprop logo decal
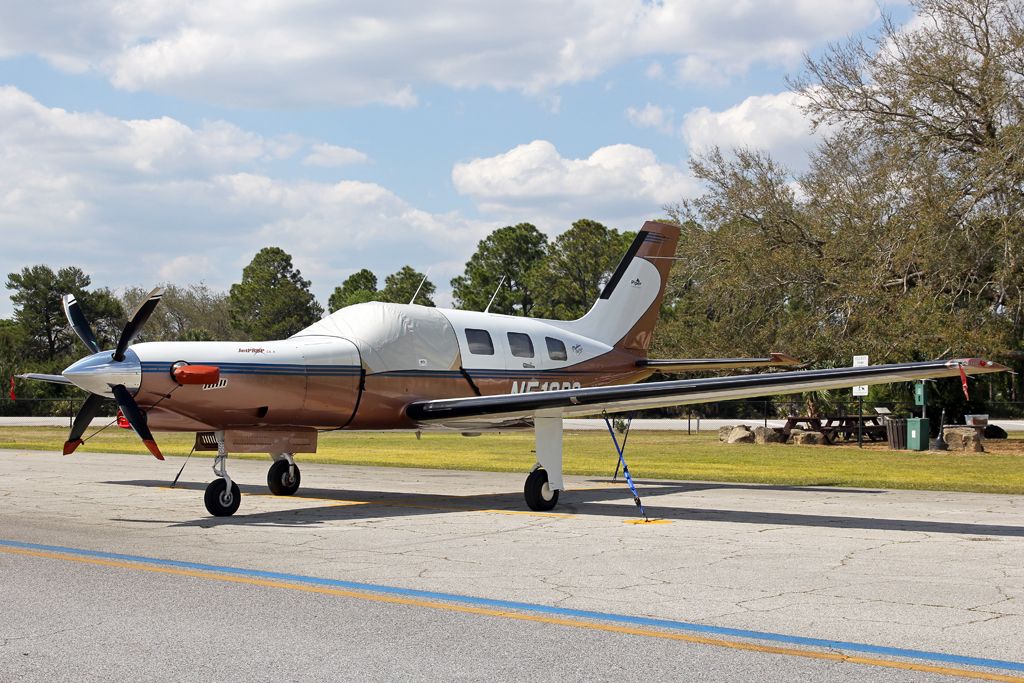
[[578, 348], [253, 349]]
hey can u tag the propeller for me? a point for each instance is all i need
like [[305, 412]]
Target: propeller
[[136, 418], [135, 323], [88, 411], [125, 401], [73, 312]]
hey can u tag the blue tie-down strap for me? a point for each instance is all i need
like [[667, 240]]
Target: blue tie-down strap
[[625, 468]]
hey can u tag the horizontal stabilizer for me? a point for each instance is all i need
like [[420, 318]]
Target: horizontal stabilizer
[[774, 360]]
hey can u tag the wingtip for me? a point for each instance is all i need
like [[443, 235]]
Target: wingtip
[[978, 365], [153, 448], [70, 446]]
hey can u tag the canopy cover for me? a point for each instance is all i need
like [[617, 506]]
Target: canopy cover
[[394, 336]]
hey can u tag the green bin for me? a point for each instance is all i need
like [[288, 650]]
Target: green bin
[[918, 431]]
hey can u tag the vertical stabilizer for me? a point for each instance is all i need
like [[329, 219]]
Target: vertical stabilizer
[[627, 310]]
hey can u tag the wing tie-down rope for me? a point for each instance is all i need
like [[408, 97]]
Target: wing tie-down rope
[[625, 468]]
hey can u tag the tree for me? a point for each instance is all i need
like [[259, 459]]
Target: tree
[[945, 95], [513, 252], [577, 265], [39, 312], [359, 287], [272, 301], [399, 287], [192, 313]]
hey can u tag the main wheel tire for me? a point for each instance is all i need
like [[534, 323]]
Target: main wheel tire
[[219, 501], [539, 495], [280, 479]]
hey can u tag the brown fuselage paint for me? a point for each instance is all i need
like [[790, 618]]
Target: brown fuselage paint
[[316, 402]]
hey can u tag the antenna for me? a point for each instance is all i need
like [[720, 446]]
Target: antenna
[[496, 290], [413, 299]]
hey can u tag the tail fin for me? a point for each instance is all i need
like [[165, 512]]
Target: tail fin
[[627, 310]]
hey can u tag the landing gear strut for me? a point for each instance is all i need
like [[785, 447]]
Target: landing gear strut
[[283, 477], [222, 495], [545, 479]]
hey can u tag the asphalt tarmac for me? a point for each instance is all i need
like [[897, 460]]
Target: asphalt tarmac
[[379, 574]]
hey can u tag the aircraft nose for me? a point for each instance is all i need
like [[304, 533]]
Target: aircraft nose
[[98, 372]]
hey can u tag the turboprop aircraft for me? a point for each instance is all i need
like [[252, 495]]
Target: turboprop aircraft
[[390, 366]]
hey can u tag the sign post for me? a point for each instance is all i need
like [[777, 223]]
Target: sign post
[[860, 392]]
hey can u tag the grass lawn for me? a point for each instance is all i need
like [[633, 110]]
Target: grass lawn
[[651, 455]]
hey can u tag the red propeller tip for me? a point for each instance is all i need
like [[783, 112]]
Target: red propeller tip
[[153, 448], [70, 446]]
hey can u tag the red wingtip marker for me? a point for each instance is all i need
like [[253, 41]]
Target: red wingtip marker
[[151, 445], [70, 446]]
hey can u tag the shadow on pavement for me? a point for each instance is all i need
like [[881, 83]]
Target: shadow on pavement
[[355, 505]]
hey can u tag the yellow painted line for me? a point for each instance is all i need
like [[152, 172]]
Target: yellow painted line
[[521, 616], [648, 521]]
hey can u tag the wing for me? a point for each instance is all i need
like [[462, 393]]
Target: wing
[[52, 379], [517, 410], [699, 364]]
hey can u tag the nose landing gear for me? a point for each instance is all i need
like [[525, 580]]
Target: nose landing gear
[[222, 496]]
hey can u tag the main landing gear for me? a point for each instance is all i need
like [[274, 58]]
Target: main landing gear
[[283, 477], [222, 495], [539, 495], [545, 479]]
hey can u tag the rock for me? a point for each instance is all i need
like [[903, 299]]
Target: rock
[[724, 432], [962, 439], [995, 432], [802, 438], [768, 435], [740, 434]]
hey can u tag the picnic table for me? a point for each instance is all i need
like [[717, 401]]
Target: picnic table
[[836, 427]]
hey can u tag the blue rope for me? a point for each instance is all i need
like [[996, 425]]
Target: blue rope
[[625, 468]]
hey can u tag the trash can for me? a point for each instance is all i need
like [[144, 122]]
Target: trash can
[[896, 430], [917, 433]]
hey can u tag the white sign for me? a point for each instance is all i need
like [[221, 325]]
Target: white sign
[[860, 362]]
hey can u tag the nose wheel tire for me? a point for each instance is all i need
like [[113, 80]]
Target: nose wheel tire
[[538, 493], [220, 502], [280, 479]]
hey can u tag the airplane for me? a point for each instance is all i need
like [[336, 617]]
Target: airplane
[[385, 366]]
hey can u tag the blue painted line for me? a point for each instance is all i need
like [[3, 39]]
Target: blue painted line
[[542, 609]]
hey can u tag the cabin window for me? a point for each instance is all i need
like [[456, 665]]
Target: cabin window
[[521, 345], [479, 342], [556, 349]]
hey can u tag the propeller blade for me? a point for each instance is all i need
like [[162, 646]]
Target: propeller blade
[[138, 319], [89, 410], [73, 312], [131, 412]]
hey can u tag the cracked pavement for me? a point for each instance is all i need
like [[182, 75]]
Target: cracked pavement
[[912, 569]]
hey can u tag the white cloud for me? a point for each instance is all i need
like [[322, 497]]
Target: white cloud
[[134, 202], [616, 183], [321, 52], [652, 116], [324, 154], [769, 122]]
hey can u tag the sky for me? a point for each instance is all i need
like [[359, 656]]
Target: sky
[[169, 140]]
